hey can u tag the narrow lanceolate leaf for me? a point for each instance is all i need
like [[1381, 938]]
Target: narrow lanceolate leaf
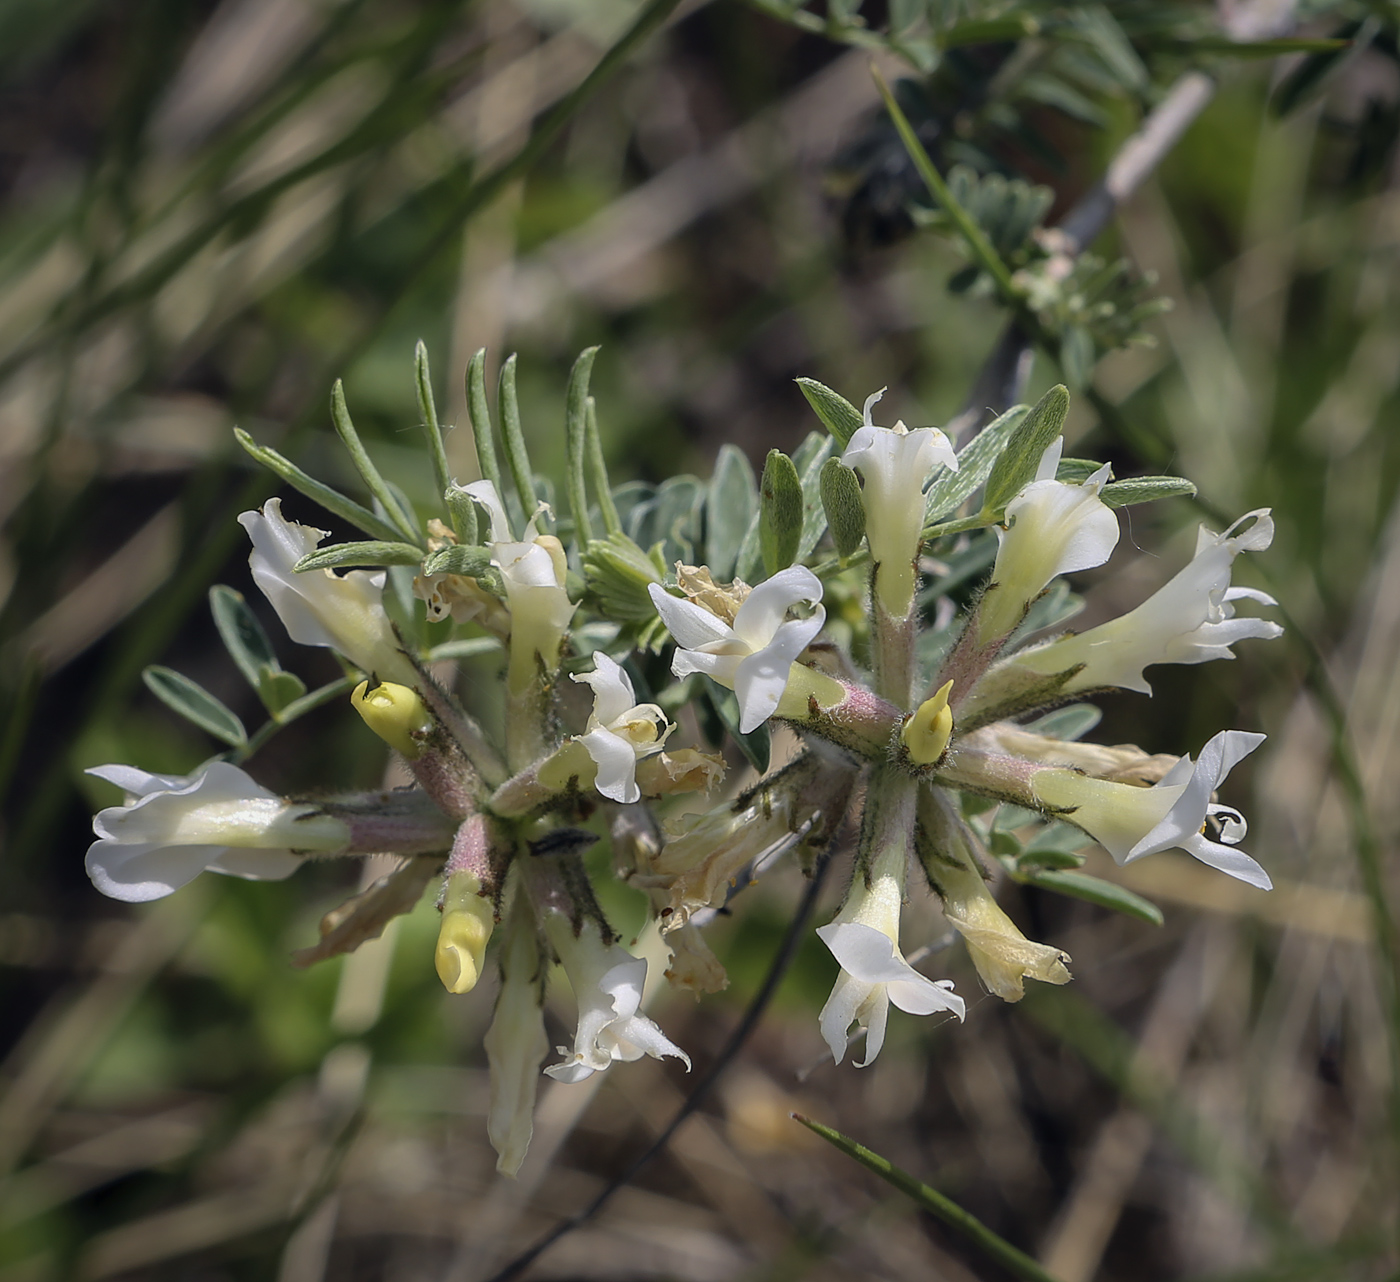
[[517, 457], [1017, 463], [1095, 890], [458, 559], [779, 513], [576, 443], [730, 505], [241, 633], [1146, 489], [840, 417], [482, 434], [332, 500], [598, 472], [845, 513], [427, 410], [1015, 1262], [373, 552], [975, 462], [374, 482], [193, 702]]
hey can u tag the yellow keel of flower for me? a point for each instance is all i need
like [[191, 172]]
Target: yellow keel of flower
[[395, 713], [467, 922], [927, 732]]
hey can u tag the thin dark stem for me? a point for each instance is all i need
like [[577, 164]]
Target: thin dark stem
[[782, 959]]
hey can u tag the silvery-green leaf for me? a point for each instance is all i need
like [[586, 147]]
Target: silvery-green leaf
[[1017, 463], [779, 512], [278, 689], [371, 552], [193, 702], [975, 462], [1146, 489], [845, 513], [730, 505], [1094, 890], [835, 411], [241, 633]]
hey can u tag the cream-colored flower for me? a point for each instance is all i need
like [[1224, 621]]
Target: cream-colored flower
[[620, 730], [216, 820], [342, 611]]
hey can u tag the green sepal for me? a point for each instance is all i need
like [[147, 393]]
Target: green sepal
[[779, 513], [372, 552], [193, 702], [1017, 463], [839, 416], [845, 513], [1146, 489], [618, 573]]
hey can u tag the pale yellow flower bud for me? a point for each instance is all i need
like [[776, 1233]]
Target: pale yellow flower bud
[[467, 921], [395, 713], [927, 732]]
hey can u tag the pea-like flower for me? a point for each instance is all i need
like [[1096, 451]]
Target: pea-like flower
[[1053, 528], [607, 982], [1131, 823], [894, 463], [620, 730], [756, 655], [217, 820], [320, 607], [1189, 620]]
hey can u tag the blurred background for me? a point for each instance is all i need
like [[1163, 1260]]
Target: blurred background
[[210, 210]]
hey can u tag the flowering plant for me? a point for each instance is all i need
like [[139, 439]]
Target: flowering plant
[[939, 753]]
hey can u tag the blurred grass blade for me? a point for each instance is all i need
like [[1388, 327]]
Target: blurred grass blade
[[193, 702], [427, 409], [482, 432], [598, 469], [1012, 1260], [332, 500], [372, 552], [374, 482], [242, 634], [513, 436], [576, 443]]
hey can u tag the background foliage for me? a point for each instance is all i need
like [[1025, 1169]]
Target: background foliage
[[211, 211]]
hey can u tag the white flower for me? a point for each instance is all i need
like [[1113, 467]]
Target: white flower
[[343, 611], [1053, 528], [533, 570], [620, 730], [864, 939], [894, 464], [607, 982], [516, 1043], [218, 820], [755, 656], [1189, 620], [1131, 822]]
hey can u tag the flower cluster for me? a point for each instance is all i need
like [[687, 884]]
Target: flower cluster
[[933, 734]]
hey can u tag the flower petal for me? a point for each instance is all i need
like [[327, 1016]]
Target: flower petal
[[761, 678], [691, 625], [612, 689], [764, 609], [616, 760]]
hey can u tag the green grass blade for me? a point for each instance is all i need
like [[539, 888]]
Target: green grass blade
[[1012, 1260]]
